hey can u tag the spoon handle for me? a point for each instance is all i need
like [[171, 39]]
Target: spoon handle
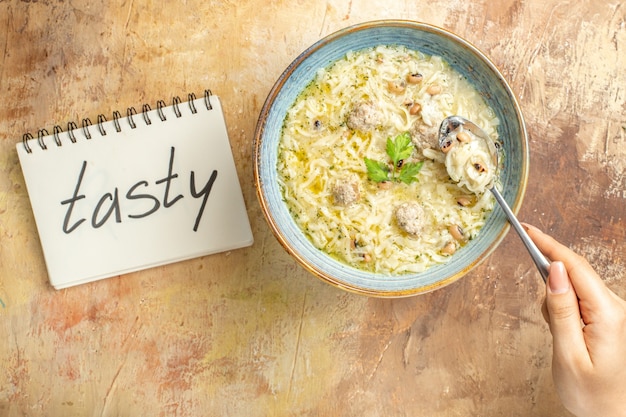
[[542, 263]]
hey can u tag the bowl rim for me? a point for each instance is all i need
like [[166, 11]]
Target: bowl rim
[[259, 133]]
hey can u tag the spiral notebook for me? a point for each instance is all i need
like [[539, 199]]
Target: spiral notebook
[[137, 191]]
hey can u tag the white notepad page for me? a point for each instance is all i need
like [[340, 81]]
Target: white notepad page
[[161, 192]]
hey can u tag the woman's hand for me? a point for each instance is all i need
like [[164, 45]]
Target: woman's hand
[[588, 324]]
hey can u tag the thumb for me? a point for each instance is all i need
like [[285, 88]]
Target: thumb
[[564, 314]]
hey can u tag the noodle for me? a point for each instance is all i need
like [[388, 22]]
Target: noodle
[[347, 114]]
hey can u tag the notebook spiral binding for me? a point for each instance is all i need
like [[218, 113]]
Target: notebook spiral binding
[[131, 112]]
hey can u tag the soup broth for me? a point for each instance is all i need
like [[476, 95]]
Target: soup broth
[[360, 168]]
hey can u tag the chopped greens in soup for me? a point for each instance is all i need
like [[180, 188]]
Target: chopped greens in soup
[[360, 168]]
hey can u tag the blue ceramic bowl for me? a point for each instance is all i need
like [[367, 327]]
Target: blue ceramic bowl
[[467, 60]]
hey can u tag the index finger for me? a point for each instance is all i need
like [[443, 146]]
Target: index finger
[[586, 282]]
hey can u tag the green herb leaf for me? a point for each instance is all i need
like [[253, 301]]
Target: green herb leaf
[[399, 148], [409, 171], [377, 171]]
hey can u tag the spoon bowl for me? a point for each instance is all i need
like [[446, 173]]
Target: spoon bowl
[[454, 123], [448, 137]]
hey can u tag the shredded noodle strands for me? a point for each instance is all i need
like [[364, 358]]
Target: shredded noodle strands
[[411, 215], [470, 163]]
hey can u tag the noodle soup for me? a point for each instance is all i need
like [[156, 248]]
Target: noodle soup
[[359, 165]]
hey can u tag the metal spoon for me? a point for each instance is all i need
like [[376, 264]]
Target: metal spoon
[[451, 124]]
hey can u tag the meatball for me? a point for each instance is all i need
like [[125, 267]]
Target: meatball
[[346, 192], [365, 116], [410, 218], [424, 137]]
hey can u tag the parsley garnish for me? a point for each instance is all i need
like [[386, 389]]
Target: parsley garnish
[[398, 150], [376, 170]]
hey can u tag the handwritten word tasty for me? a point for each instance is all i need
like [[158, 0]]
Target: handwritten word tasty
[[110, 203]]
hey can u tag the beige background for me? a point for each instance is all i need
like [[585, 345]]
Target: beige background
[[249, 332]]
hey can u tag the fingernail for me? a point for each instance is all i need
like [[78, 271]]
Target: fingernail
[[558, 279], [529, 227]]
